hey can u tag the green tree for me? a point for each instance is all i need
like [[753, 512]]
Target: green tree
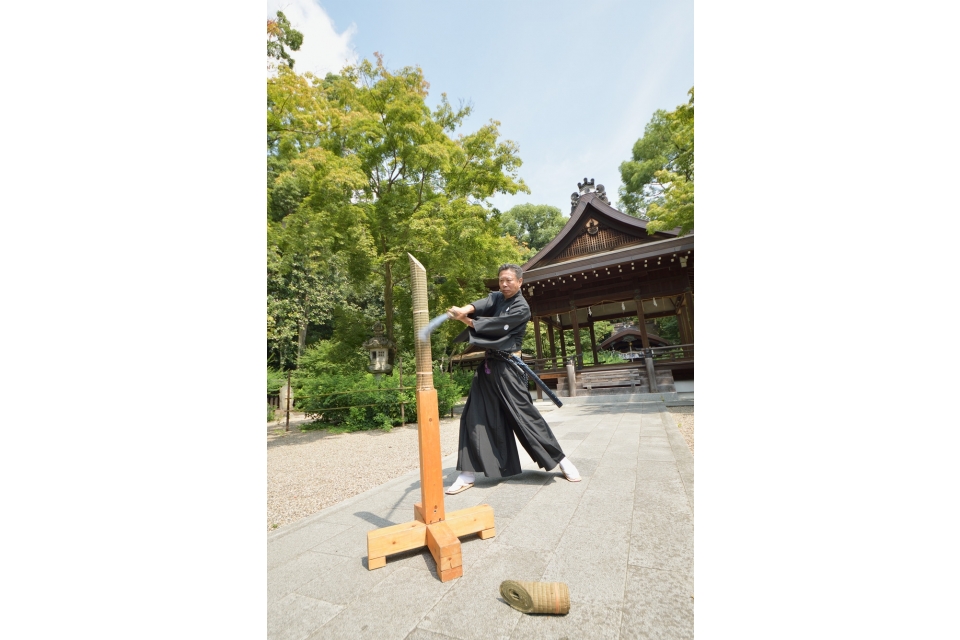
[[533, 225], [280, 35], [308, 182], [359, 168], [658, 180], [417, 179], [668, 329]]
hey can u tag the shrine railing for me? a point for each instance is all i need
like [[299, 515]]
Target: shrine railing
[[673, 353], [661, 355], [558, 363]]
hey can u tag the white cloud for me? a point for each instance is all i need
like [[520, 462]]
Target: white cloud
[[323, 49]]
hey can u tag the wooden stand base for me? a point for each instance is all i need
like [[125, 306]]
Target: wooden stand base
[[442, 538]]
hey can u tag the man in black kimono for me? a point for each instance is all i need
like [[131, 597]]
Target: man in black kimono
[[499, 404]]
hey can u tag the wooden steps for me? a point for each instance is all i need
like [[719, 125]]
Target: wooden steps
[[613, 381]]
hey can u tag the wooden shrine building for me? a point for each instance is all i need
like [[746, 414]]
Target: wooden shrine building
[[604, 265]]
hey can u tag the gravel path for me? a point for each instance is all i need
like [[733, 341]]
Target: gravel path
[[684, 418], [309, 471]]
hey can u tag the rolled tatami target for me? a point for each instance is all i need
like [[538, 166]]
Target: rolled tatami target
[[537, 597]]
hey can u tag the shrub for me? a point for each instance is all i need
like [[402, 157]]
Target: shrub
[[332, 357], [463, 378], [358, 401], [448, 389], [271, 413], [354, 401], [275, 380]]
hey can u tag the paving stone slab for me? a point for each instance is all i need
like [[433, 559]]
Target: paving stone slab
[[592, 554], [621, 459], [657, 604], [390, 610], [632, 430], [594, 571], [423, 634], [652, 431], [593, 451], [655, 452], [295, 541], [298, 571], [295, 617], [473, 609], [664, 498], [654, 471], [571, 435], [346, 582], [662, 541], [541, 523], [351, 543], [508, 504], [585, 620], [562, 490], [620, 481], [601, 517]]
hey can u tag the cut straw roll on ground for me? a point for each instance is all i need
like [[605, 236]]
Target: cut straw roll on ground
[[537, 597]]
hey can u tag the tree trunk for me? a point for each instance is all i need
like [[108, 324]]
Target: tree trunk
[[388, 307], [301, 339]]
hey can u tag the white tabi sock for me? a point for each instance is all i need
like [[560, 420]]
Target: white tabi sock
[[465, 478], [568, 469]]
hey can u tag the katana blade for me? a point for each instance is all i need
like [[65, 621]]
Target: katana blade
[[432, 326]]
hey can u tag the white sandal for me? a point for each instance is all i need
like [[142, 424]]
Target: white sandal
[[458, 487]]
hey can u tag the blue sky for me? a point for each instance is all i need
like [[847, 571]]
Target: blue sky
[[572, 84]]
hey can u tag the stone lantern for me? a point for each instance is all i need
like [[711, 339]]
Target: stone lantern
[[379, 347]]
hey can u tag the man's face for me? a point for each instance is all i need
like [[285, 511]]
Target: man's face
[[509, 285]]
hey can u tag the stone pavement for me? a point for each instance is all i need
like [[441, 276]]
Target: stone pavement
[[622, 540]]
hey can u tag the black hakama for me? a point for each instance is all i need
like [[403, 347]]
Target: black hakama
[[498, 407]]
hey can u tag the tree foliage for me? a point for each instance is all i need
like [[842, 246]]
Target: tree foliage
[[360, 171], [533, 225], [280, 36], [658, 180]]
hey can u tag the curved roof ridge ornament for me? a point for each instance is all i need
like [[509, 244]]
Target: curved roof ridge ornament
[[585, 187]]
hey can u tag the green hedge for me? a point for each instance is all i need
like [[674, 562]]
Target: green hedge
[[325, 397]]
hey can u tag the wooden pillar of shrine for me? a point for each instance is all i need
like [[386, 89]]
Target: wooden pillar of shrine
[[645, 341], [682, 326], [641, 320], [536, 334], [576, 332], [553, 346], [593, 343], [563, 344]]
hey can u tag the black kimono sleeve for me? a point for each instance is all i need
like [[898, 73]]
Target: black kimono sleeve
[[498, 323]]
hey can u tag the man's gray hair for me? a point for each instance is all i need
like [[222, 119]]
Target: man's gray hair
[[517, 271]]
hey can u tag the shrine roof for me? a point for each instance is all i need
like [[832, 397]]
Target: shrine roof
[[592, 208], [616, 256]]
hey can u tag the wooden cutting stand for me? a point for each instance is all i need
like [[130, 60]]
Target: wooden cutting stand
[[431, 527]]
